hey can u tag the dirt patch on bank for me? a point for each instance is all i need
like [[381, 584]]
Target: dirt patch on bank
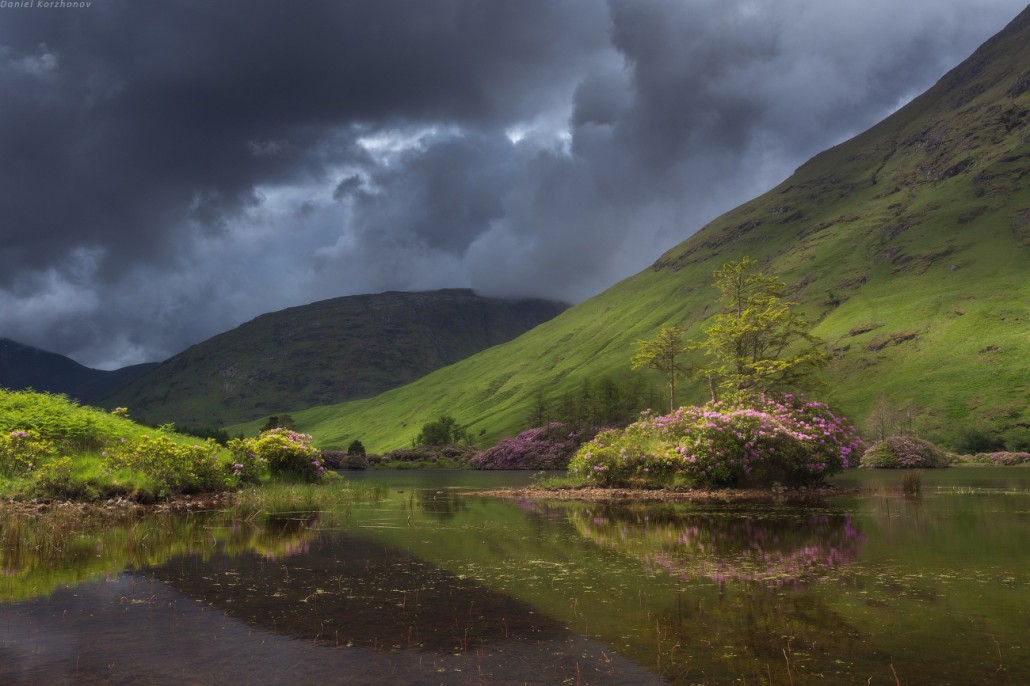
[[123, 506], [757, 495]]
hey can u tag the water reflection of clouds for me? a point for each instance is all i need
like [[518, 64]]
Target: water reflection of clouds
[[774, 549]]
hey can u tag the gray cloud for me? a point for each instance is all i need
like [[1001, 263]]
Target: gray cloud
[[170, 170]]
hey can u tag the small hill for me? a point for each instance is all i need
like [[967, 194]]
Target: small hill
[[23, 367], [908, 245], [325, 352]]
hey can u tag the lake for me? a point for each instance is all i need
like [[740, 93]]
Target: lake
[[426, 585]]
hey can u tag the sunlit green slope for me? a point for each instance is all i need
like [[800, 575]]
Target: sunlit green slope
[[909, 245]]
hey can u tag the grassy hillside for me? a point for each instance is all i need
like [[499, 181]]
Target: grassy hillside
[[328, 351], [55, 449], [22, 367], [909, 245]]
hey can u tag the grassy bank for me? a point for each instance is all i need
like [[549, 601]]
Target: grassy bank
[[53, 449]]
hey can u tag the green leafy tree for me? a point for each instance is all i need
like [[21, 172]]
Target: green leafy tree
[[758, 341], [663, 353], [356, 448], [444, 431], [278, 421]]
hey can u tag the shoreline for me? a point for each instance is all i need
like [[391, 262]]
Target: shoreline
[[776, 494], [122, 506]]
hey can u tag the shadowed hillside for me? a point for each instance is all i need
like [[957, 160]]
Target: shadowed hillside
[[23, 367], [325, 352]]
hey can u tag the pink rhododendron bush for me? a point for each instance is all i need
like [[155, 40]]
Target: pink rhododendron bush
[[750, 440], [542, 447], [904, 452], [1002, 458]]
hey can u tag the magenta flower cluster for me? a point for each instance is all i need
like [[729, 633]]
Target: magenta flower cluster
[[753, 439], [1003, 458], [542, 447]]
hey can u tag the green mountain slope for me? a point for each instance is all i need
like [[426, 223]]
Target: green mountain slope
[[23, 367], [909, 245], [324, 352]]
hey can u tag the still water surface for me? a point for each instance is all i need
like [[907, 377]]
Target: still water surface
[[430, 586]]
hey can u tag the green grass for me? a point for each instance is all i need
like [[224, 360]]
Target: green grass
[[77, 469], [76, 427], [936, 262], [80, 435]]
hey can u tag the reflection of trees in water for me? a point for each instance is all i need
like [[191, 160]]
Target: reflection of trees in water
[[283, 535], [753, 546], [758, 622], [41, 553]]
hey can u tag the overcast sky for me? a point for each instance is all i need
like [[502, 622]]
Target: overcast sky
[[169, 170]]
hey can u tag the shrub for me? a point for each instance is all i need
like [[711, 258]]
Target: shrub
[[285, 452], [748, 440], [177, 468], [904, 452], [247, 466], [976, 439], [57, 480], [444, 431], [1004, 458], [542, 447], [431, 454], [337, 459], [22, 451]]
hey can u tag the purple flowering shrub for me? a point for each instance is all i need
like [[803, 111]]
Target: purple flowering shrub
[[1003, 458], [542, 447], [284, 451], [177, 468], [22, 451], [904, 452], [749, 440]]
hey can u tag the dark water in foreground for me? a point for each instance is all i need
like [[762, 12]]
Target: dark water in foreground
[[427, 586]]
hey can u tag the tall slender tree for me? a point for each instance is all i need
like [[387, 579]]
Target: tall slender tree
[[663, 353], [757, 341]]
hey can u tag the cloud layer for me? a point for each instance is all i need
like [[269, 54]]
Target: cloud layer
[[173, 169]]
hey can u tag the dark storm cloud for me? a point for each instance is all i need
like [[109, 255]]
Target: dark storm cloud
[[170, 169]]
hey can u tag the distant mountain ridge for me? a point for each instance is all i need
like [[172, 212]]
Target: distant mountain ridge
[[325, 352], [23, 366], [908, 246]]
